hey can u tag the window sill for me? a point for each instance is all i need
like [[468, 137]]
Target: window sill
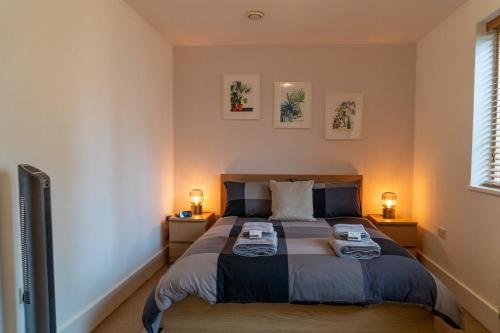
[[485, 190]]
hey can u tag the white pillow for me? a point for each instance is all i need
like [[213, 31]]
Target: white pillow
[[292, 201]]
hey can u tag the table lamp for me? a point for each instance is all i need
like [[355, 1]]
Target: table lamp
[[196, 200], [389, 202]]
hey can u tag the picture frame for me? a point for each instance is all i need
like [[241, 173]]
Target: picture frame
[[241, 97], [292, 105], [343, 116]]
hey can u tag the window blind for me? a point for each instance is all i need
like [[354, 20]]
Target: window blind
[[493, 178]]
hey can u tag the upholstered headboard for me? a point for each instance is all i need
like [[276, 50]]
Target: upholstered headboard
[[253, 177]]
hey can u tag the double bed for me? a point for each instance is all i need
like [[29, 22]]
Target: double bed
[[304, 287]]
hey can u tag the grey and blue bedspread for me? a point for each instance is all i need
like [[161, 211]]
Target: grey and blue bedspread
[[304, 270]]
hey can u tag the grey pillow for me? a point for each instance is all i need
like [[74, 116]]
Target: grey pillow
[[247, 199], [337, 199]]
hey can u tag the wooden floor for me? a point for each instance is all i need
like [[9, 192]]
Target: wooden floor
[[127, 317]]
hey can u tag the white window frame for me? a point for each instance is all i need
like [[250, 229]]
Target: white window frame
[[485, 146]]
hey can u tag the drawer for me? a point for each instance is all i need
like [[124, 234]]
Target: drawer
[[185, 231], [404, 235], [175, 250]]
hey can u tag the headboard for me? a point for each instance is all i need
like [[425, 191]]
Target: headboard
[[253, 177]]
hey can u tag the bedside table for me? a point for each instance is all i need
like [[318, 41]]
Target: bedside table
[[401, 230], [183, 231]]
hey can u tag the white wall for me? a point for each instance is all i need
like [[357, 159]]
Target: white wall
[[85, 95], [206, 145], [443, 135]]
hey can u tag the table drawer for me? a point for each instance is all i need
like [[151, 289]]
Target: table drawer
[[175, 250], [403, 235], [185, 231]]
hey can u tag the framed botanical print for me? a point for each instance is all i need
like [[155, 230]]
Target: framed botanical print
[[344, 116], [241, 96], [292, 105]]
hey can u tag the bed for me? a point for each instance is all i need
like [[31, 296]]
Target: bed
[[304, 287]]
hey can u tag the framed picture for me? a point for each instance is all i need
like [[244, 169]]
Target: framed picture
[[344, 116], [292, 105], [241, 96]]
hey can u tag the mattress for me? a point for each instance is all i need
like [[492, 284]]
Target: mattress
[[305, 270]]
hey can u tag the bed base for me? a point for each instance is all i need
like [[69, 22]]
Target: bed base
[[195, 315]]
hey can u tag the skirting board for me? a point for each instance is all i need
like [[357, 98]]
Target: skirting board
[[88, 319], [483, 311]]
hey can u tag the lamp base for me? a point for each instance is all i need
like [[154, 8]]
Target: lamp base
[[389, 213], [196, 210]]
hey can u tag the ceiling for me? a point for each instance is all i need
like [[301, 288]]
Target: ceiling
[[224, 22]]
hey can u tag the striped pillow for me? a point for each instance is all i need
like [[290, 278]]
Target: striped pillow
[[247, 199], [337, 199]]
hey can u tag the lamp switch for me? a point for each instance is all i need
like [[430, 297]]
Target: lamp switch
[[442, 232]]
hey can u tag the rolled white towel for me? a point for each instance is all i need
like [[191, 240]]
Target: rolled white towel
[[265, 227], [260, 247], [366, 249], [341, 230]]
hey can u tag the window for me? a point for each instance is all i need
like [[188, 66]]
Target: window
[[493, 178], [486, 138]]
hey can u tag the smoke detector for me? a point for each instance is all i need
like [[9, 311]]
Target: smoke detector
[[255, 15]]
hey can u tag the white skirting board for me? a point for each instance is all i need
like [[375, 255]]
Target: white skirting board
[[487, 314], [87, 319]]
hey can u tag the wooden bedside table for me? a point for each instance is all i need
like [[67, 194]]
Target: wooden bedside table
[[183, 231], [401, 230]]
